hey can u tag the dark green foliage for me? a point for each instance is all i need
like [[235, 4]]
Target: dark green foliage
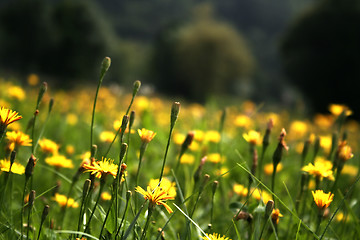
[[321, 53]]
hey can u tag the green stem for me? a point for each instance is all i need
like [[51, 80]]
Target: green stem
[[166, 152], [102, 183], [150, 210], [67, 199], [28, 222], [22, 208], [123, 218], [273, 181]]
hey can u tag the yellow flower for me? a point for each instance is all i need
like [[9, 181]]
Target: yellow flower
[[159, 194], [216, 236], [275, 216], [325, 143], [15, 168], [258, 195], [17, 138], [187, 159], [59, 161], [70, 149], [323, 121], [105, 196], [102, 168], [337, 109], [269, 168], [33, 79], [345, 151], [240, 190], [215, 158], [298, 129], [212, 136], [48, 146], [16, 92], [349, 170], [146, 135], [107, 136], [322, 199], [178, 138], [199, 135], [221, 171], [61, 200], [243, 121], [321, 169], [252, 137], [71, 119], [166, 185], [7, 117]]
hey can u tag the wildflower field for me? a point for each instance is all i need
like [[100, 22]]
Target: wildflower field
[[107, 164]]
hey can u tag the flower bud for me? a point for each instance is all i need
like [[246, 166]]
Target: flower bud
[[45, 213], [105, 65], [93, 151], [86, 187], [51, 104], [30, 167], [31, 198], [269, 208], [132, 118], [42, 91], [12, 158], [175, 109], [137, 85]]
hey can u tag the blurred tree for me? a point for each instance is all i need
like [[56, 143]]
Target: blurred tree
[[66, 39], [201, 58], [321, 52]]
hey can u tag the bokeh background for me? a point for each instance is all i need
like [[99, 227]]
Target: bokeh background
[[302, 54]]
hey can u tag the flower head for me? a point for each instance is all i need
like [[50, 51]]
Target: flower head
[[59, 161], [7, 116], [48, 146], [338, 109], [15, 168], [321, 169], [275, 216], [102, 168], [215, 236], [252, 137], [158, 194], [107, 136], [344, 151], [17, 138], [322, 199], [61, 200], [146, 135], [16, 92]]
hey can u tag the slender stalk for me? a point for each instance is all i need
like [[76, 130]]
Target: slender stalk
[[128, 195], [67, 199], [150, 211], [22, 208], [104, 67], [102, 184]]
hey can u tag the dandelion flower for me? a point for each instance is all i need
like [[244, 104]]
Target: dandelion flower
[[7, 117], [102, 168], [146, 135], [157, 195], [240, 190], [275, 216], [48, 146], [107, 136], [212, 136], [187, 159], [322, 199], [252, 137], [15, 168], [337, 109], [16, 92], [243, 121], [345, 151], [322, 169], [269, 168], [215, 158], [33, 79], [59, 161], [215, 236], [61, 200], [105, 196], [17, 138]]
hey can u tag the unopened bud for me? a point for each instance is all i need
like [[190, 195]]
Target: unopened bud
[[30, 167], [93, 151], [45, 213], [124, 123], [36, 112], [105, 65], [204, 182], [128, 195], [86, 187], [51, 104], [137, 85], [242, 215], [42, 91], [269, 208], [132, 118], [175, 109], [187, 142], [31, 198], [215, 186], [198, 171], [123, 149]]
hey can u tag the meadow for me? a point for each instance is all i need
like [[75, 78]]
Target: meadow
[[109, 163]]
